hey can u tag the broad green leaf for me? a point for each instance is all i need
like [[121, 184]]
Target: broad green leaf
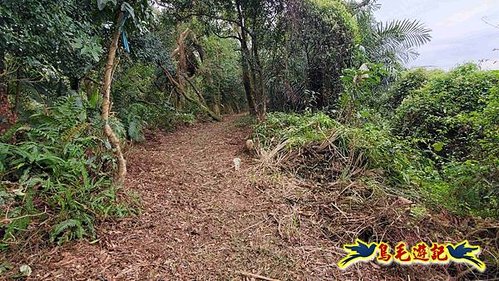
[[438, 146]]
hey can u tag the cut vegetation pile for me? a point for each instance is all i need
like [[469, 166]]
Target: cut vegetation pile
[[362, 182]]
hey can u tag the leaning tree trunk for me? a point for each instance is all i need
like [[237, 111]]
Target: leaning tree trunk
[[106, 104], [181, 92]]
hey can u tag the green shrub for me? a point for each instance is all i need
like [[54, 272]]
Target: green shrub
[[376, 146], [134, 118], [359, 86], [296, 129], [454, 120], [409, 81], [141, 104], [465, 187], [246, 121], [55, 174], [443, 114]]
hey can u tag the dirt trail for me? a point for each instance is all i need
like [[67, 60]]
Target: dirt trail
[[201, 219]]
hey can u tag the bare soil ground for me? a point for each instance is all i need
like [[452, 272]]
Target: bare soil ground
[[202, 220]]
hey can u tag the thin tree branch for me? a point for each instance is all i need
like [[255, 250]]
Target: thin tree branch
[[484, 19], [361, 5]]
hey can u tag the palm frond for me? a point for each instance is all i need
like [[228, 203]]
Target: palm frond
[[398, 39], [409, 33]]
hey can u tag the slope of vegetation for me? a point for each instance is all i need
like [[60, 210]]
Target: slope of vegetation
[[441, 140], [436, 151]]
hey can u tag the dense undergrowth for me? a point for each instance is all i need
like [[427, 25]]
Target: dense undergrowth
[[57, 167], [56, 173], [440, 143]]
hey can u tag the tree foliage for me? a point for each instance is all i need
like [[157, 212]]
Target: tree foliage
[[50, 39], [318, 39]]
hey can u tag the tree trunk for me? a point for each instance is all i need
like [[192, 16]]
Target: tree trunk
[[261, 99], [256, 69], [106, 104], [181, 54], [248, 88], [245, 60], [18, 93], [7, 118]]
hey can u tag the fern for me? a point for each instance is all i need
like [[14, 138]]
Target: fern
[[72, 133], [67, 230], [58, 160], [135, 128], [42, 134]]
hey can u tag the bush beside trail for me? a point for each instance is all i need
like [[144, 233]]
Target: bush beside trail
[[442, 141]]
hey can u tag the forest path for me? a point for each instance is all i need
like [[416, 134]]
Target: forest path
[[201, 219]]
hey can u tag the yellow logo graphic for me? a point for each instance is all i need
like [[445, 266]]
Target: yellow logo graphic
[[421, 253]]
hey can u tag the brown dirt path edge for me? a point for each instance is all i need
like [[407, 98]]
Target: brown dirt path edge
[[201, 220]]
